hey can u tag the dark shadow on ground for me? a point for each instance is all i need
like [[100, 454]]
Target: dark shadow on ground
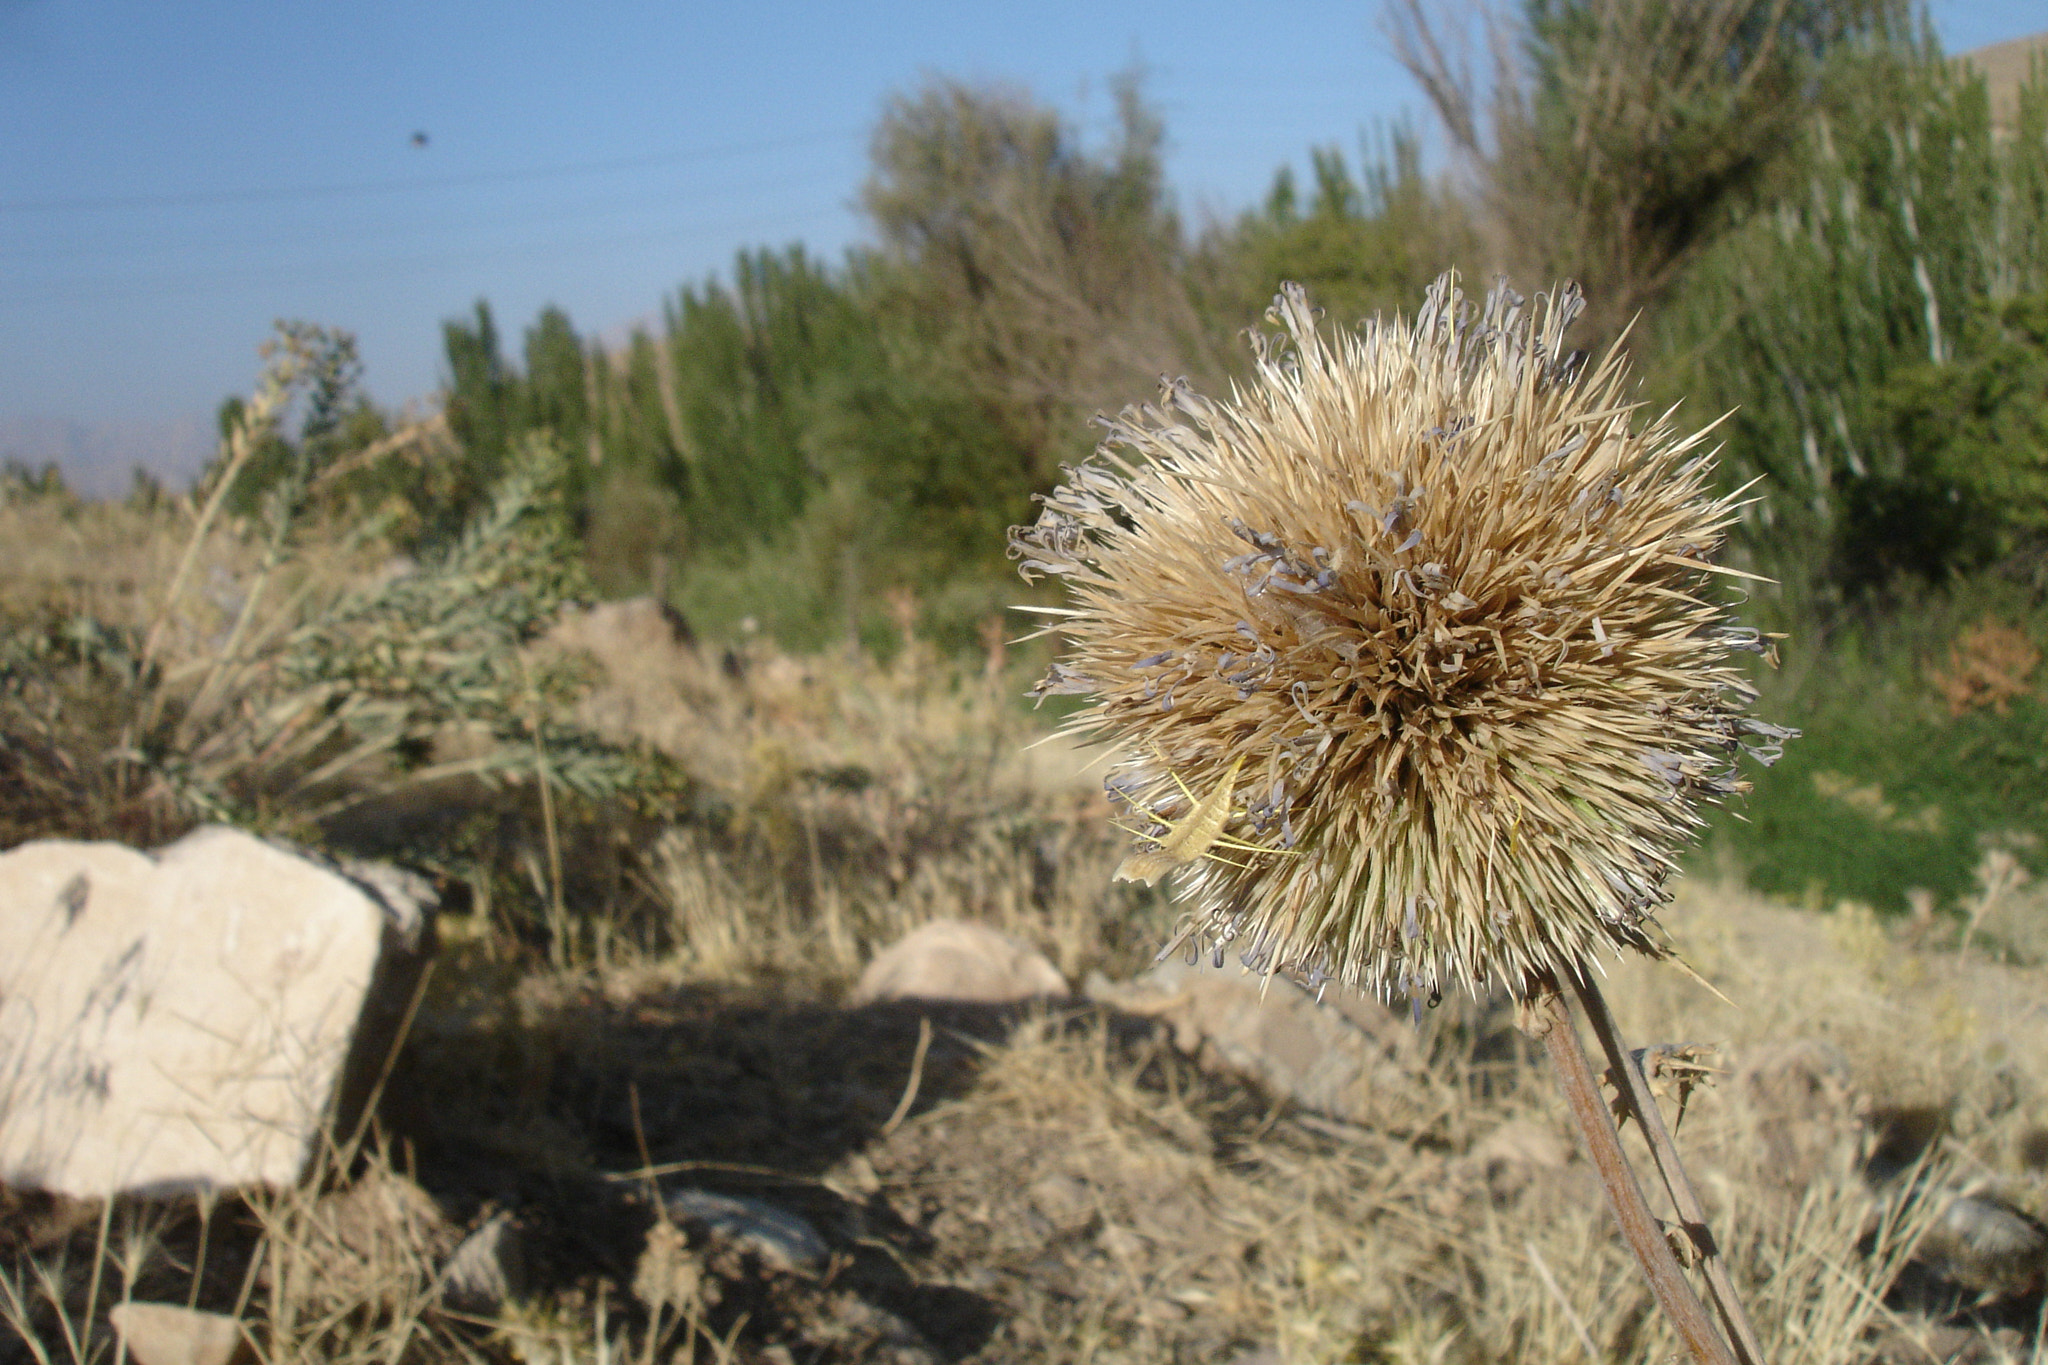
[[582, 1115]]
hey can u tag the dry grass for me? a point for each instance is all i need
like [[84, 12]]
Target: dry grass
[[331, 1271], [1176, 1218], [840, 801], [1065, 1185], [108, 560]]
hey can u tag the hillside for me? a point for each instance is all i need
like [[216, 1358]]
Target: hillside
[[2006, 66]]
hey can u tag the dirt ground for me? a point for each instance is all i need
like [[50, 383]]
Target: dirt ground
[[1064, 1184], [690, 1146]]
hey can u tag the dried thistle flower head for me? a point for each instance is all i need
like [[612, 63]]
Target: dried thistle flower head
[[1438, 615]]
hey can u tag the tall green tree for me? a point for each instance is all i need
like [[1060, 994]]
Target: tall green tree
[[557, 381], [482, 402], [1869, 295], [751, 368], [1359, 245], [1055, 272], [492, 406], [1614, 139]]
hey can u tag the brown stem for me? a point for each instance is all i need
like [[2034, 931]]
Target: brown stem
[[1628, 1075], [1547, 1016]]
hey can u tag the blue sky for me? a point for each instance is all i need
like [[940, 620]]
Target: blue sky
[[173, 177]]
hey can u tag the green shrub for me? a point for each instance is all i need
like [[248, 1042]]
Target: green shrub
[[1847, 325], [297, 678], [1973, 482]]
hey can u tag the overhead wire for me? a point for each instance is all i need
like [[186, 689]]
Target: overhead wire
[[285, 193], [229, 281], [258, 232], [130, 279]]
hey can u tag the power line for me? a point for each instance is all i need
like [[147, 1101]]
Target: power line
[[255, 231], [331, 273], [103, 203]]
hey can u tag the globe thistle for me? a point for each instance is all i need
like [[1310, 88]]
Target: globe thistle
[[1409, 648]]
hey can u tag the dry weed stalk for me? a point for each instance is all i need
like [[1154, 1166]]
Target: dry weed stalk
[[1450, 615]]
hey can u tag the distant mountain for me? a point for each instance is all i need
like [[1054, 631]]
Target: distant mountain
[[2005, 66], [99, 458]]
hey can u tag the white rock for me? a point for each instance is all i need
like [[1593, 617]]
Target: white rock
[[166, 1334], [185, 1021], [951, 959], [488, 1270]]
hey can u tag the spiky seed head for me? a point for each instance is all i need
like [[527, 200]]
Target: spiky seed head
[[1444, 607]]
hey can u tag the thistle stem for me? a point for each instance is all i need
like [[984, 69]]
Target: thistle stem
[[1549, 1018], [1627, 1070]]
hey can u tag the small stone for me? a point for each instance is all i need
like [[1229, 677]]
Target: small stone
[[1064, 1202], [373, 1242], [1525, 1144], [951, 959], [488, 1270], [645, 649], [843, 1326], [1347, 1060], [779, 1240], [854, 1178], [166, 1334], [1985, 1245], [624, 630], [380, 1211], [1807, 1111], [1516, 1155], [1121, 1243]]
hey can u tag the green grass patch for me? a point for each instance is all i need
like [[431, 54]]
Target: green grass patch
[[1886, 789]]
